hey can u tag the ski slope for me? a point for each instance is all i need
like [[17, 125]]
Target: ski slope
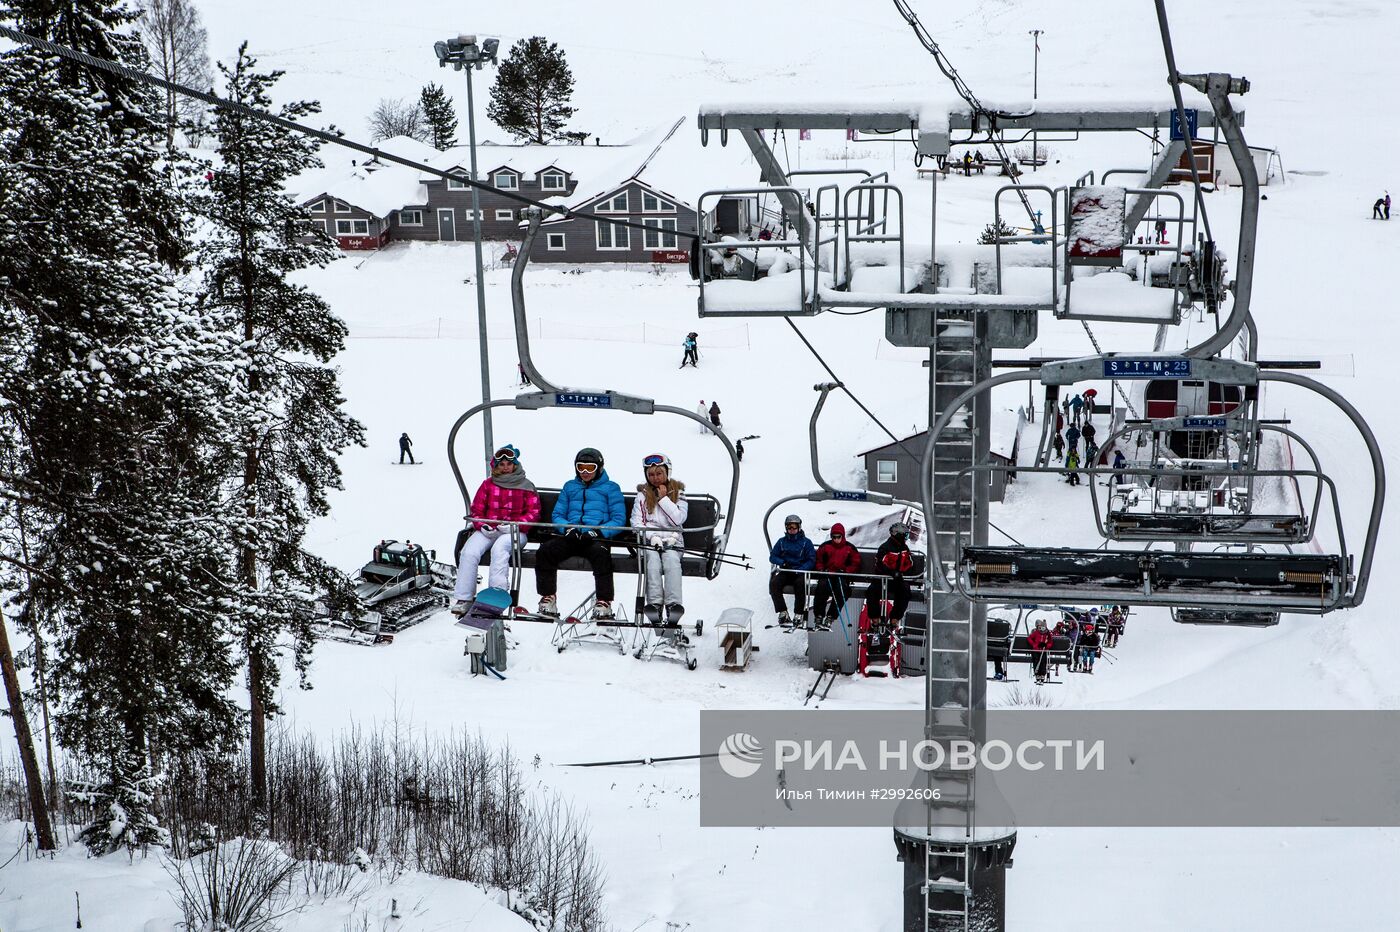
[[1323, 286]]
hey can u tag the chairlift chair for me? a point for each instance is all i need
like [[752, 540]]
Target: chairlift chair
[[708, 524]]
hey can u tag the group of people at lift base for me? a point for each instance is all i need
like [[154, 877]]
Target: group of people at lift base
[[1089, 632], [589, 512], [1075, 420]]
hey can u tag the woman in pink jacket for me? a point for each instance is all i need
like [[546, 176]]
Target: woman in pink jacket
[[506, 497]]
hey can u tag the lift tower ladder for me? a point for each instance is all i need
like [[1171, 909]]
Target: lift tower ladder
[[965, 92]]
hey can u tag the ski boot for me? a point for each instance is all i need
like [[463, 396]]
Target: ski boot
[[461, 607], [549, 606], [784, 620], [603, 611]]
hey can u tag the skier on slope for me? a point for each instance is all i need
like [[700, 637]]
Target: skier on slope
[[791, 556], [692, 347], [405, 448], [595, 501], [704, 413], [1076, 406], [896, 563], [504, 498], [659, 515], [836, 558], [1089, 397], [1072, 464], [714, 415]]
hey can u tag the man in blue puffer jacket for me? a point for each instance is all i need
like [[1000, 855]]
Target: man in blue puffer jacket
[[595, 501], [791, 554]]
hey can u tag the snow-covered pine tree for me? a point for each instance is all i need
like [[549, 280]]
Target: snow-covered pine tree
[[281, 459], [534, 85], [442, 118], [111, 389]]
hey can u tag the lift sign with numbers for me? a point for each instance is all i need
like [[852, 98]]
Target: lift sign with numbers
[[1146, 368]]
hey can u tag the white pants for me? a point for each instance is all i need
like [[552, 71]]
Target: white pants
[[665, 564], [499, 543]]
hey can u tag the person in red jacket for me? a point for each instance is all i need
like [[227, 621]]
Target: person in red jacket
[[1040, 640], [896, 563], [506, 497], [835, 558]]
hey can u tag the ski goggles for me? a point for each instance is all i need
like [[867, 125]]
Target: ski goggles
[[656, 459], [506, 453], [586, 468]]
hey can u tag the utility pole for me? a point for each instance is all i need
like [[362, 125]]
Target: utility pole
[[1035, 94], [464, 54]]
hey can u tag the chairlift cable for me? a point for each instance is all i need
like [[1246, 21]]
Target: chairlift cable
[[1174, 79], [965, 92], [222, 103]]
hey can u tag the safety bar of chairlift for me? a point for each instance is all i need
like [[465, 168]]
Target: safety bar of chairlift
[[524, 403], [1255, 424], [1037, 238], [1368, 552], [859, 236]]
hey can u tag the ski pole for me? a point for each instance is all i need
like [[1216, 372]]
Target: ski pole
[[641, 760]]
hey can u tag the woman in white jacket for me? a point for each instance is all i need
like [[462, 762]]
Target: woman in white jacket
[[659, 515]]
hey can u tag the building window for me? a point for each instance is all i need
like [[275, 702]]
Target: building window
[[342, 208], [456, 184], [552, 182], [887, 471], [617, 204], [469, 215], [352, 228], [555, 242], [410, 218], [506, 214], [318, 208], [659, 240], [506, 181], [612, 237], [655, 205]]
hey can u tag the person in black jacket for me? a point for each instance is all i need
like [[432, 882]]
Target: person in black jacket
[[405, 448], [1088, 647], [896, 564]]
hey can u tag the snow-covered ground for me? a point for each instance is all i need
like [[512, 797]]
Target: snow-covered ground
[[1322, 287]]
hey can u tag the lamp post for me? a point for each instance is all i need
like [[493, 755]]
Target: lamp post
[[464, 54], [1035, 93]]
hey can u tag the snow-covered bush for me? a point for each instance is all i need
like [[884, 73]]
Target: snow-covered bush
[[238, 886]]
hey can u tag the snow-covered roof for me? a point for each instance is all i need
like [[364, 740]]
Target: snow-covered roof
[[532, 160], [1007, 422], [378, 187]]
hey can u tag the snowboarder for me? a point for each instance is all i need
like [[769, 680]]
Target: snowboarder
[[1089, 644], [1072, 438], [894, 560], [1089, 397], [503, 499], [1040, 641], [704, 413], [1072, 464], [714, 415], [659, 515], [690, 346], [593, 500], [1378, 209], [836, 559], [406, 449], [791, 557]]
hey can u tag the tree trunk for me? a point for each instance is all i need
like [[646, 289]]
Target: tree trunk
[[34, 782]]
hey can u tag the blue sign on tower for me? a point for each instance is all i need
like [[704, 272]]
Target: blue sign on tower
[[1193, 121]]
